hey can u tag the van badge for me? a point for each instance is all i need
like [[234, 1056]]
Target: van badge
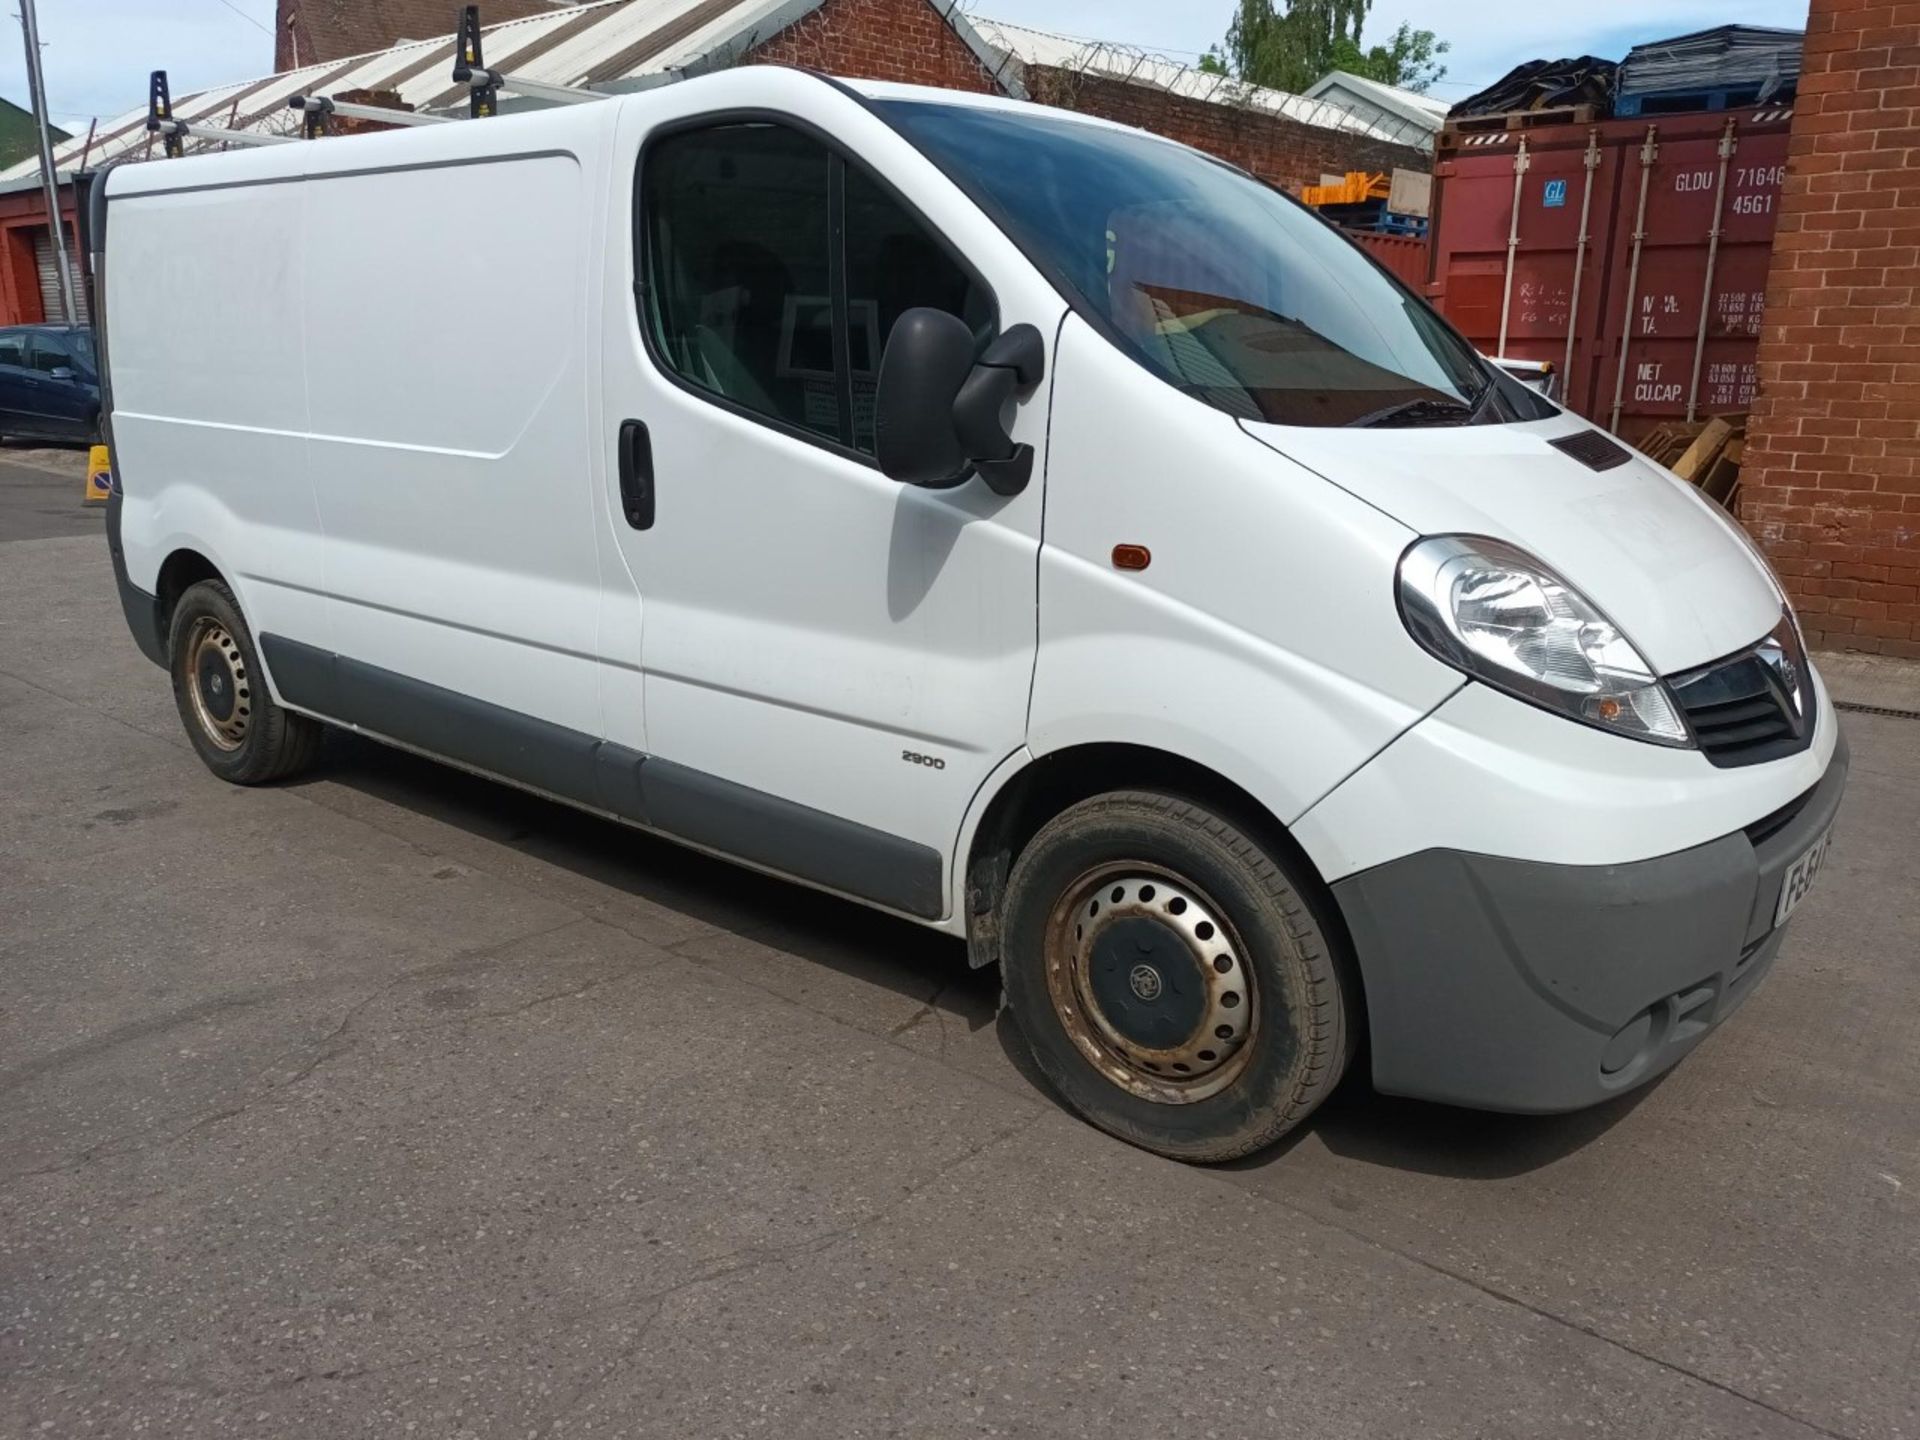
[[1145, 981], [1776, 658]]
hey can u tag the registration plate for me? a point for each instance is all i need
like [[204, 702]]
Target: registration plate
[[1799, 878]]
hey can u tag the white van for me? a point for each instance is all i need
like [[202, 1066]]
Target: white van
[[1025, 525]]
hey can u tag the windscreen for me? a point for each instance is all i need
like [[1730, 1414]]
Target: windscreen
[[1226, 288]]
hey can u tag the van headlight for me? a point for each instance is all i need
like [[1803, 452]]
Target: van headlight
[[1497, 613]]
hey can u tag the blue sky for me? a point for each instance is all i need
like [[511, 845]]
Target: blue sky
[[98, 52]]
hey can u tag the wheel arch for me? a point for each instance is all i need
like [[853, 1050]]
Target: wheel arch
[[149, 592], [181, 571], [1033, 794], [183, 568]]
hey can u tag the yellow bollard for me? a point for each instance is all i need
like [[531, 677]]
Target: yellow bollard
[[99, 476]]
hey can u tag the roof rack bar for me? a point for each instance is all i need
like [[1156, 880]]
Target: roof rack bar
[[532, 89], [173, 130], [174, 133], [319, 108], [484, 85]]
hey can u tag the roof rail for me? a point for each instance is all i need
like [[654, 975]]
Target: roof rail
[[484, 85], [173, 133], [320, 109]]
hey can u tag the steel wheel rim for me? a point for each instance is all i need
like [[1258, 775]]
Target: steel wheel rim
[[217, 684], [1090, 933]]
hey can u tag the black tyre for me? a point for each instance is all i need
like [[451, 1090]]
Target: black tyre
[[1171, 978], [218, 688]]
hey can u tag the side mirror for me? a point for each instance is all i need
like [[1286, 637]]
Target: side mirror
[[937, 413], [928, 358], [61, 372]]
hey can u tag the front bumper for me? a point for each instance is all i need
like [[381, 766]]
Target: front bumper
[[1517, 985]]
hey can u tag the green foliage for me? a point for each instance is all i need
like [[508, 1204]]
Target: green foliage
[[1289, 44], [1411, 60]]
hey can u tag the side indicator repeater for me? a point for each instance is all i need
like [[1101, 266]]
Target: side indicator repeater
[[1131, 557]]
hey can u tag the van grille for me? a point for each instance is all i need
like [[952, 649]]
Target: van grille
[[1751, 707]]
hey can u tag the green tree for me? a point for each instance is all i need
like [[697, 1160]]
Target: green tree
[[1289, 44], [1411, 60]]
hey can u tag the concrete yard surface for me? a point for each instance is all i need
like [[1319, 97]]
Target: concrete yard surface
[[392, 1102], [40, 493]]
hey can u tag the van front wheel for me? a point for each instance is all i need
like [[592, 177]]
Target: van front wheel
[[1171, 979], [221, 693]]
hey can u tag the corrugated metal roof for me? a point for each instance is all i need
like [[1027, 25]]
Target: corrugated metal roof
[[421, 70], [612, 43], [1022, 45], [1371, 95]]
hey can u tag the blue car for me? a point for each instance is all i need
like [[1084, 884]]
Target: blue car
[[49, 383]]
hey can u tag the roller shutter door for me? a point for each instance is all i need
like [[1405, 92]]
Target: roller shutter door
[[49, 270]]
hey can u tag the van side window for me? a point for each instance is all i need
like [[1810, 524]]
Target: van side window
[[737, 225], [12, 350], [894, 265], [738, 286]]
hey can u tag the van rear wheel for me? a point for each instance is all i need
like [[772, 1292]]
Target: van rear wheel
[[221, 693], [1171, 979]]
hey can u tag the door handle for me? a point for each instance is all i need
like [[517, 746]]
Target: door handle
[[636, 474]]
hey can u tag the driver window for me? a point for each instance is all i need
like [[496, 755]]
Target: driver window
[[895, 265], [738, 267], [737, 221]]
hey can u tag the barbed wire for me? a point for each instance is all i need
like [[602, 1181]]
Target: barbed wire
[[1075, 59]]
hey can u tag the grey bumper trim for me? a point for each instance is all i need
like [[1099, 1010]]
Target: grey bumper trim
[[142, 611], [1515, 985]]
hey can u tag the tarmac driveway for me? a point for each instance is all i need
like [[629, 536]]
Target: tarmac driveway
[[393, 1102]]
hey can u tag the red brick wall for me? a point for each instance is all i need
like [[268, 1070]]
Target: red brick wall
[[1830, 483], [907, 40], [1282, 151], [903, 40]]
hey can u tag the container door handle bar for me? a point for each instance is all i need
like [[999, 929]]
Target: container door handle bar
[[636, 474]]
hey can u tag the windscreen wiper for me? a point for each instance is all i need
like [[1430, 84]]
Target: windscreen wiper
[[1436, 409]]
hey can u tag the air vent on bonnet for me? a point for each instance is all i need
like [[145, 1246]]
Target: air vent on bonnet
[[1592, 449]]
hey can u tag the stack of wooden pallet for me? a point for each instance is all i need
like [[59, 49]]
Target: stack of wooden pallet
[[1456, 130], [1356, 187], [1394, 204], [1704, 452]]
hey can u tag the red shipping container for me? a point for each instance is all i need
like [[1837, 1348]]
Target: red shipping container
[[1612, 290], [1404, 255]]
